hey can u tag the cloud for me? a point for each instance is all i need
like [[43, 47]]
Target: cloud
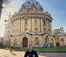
[[61, 12]]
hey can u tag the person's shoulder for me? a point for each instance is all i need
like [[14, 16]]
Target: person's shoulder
[[34, 51], [27, 51]]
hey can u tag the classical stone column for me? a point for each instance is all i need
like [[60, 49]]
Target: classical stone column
[[40, 24], [20, 25], [31, 24]]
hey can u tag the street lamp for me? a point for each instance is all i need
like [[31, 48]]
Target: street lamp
[[9, 35], [5, 42]]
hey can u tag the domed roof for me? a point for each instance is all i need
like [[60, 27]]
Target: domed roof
[[32, 3]]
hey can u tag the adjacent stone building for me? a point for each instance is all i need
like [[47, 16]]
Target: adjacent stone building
[[31, 24], [60, 37]]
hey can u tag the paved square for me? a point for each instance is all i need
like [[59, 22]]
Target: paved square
[[7, 53]]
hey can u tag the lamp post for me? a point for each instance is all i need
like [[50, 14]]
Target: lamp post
[[6, 35]]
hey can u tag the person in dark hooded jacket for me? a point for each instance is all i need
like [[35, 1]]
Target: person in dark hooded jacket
[[30, 52]]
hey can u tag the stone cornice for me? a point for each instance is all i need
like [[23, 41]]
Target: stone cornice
[[32, 33], [32, 12], [18, 16]]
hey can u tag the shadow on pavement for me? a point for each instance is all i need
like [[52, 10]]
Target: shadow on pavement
[[13, 54]]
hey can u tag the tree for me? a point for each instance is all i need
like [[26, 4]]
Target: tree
[[1, 4], [6, 1], [1, 1]]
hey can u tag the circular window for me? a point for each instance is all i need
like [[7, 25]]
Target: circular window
[[28, 2], [36, 2]]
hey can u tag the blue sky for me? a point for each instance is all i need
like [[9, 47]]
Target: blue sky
[[57, 8]]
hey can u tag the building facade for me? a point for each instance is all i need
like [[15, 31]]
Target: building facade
[[31, 24]]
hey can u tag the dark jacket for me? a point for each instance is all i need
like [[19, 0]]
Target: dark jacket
[[31, 54]]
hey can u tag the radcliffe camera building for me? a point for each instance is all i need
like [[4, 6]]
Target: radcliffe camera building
[[31, 24]]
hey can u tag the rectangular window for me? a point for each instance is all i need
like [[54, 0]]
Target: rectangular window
[[26, 22], [25, 29], [44, 29], [43, 21]]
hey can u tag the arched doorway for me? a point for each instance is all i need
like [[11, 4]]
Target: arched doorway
[[25, 42], [57, 44]]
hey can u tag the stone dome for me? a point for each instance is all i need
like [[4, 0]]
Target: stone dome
[[32, 3]]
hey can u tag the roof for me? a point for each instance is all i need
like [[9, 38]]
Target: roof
[[31, 3]]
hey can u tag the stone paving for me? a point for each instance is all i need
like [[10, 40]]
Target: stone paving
[[7, 53]]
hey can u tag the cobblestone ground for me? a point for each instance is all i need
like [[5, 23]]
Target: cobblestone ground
[[7, 53]]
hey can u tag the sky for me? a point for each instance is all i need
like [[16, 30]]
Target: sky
[[57, 9]]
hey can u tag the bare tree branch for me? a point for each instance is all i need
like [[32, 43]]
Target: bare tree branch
[[1, 3], [6, 1]]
